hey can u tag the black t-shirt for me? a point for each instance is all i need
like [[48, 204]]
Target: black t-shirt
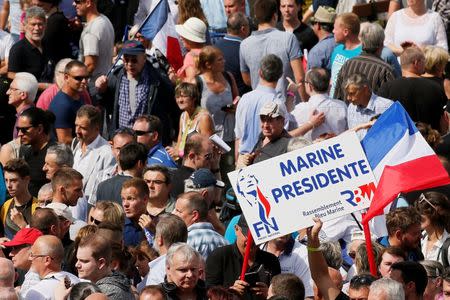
[[24, 57], [36, 161], [423, 99], [274, 148], [304, 34], [342, 296], [178, 178], [56, 40]]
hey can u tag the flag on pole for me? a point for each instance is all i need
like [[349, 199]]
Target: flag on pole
[[159, 27], [401, 159]]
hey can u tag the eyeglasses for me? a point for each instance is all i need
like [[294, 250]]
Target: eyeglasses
[[157, 182], [268, 119], [24, 130], [32, 255], [142, 132], [13, 89], [423, 198], [43, 203], [79, 78], [95, 221], [132, 59], [305, 81]]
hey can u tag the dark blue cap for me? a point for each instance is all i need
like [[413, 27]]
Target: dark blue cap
[[133, 47], [202, 178]]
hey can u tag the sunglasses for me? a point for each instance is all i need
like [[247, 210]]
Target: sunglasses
[[423, 198], [79, 78], [24, 130], [142, 132], [78, 1], [95, 221], [362, 280]]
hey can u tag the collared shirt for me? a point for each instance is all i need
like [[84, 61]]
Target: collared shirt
[[214, 13], [102, 176], [31, 279], [97, 157], [132, 233], [127, 115], [45, 289], [157, 271], [203, 238], [159, 155], [320, 55], [335, 115], [357, 115], [248, 125]]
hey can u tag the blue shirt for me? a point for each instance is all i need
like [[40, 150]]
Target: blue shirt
[[159, 155], [248, 126], [65, 109], [338, 58], [132, 233], [389, 57], [320, 55], [357, 115]]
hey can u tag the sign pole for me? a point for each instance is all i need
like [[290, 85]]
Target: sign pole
[[247, 255]]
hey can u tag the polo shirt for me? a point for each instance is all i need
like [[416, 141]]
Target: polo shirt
[[274, 148], [24, 57], [159, 155], [320, 55]]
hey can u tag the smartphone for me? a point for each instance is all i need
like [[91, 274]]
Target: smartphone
[[253, 277]]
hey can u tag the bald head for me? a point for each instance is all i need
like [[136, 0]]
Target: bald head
[[49, 245], [8, 293], [7, 273]]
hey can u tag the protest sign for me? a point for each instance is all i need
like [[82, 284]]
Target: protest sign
[[283, 194]]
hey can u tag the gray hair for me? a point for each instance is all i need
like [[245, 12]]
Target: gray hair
[[297, 143], [35, 12], [59, 71], [358, 80], [236, 21], [433, 268], [45, 189], [319, 78], [188, 253], [392, 289], [171, 229], [26, 82], [64, 155], [372, 37], [189, 187], [271, 68], [332, 253]]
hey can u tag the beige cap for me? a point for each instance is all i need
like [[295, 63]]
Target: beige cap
[[324, 14], [273, 110]]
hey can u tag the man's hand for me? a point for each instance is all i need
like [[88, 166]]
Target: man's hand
[[2, 240], [101, 83], [261, 289], [145, 221], [239, 287], [316, 118], [18, 218]]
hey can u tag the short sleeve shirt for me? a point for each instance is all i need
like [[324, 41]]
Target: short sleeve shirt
[[24, 57], [65, 109]]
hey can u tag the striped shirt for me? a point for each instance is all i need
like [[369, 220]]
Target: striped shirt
[[203, 238]]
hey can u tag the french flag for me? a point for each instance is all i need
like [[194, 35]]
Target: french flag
[[400, 158], [159, 27]]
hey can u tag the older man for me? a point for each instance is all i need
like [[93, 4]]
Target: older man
[[57, 156], [368, 62], [363, 103], [46, 257], [183, 266], [137, 89], [27, 54], [21, 94], [67, 101]]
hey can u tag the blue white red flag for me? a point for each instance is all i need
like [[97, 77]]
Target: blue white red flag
[[159, 27], [400, 158]]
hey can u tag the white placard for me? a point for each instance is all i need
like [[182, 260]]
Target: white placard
[[283, 194]]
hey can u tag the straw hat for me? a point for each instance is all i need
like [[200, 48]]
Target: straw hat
[[193, 30]]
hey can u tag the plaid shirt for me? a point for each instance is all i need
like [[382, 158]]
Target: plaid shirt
[[126, 118], [203, 238]]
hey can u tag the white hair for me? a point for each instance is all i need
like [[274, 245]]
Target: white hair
[[392, 289], [26, 82]]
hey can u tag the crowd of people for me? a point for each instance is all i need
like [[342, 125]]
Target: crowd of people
[[115, 153]]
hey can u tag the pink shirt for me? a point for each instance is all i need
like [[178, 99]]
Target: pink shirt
[[49, 93], [189, 61]]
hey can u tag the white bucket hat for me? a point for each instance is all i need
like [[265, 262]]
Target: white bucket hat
[[193, 29]]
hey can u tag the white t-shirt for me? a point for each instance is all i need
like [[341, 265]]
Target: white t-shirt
[[6, 41]]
